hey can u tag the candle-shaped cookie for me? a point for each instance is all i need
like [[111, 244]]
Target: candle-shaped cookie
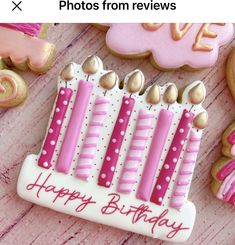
[[134, 84], [66, 154], [158, 142], [62, 102], [183, 181], [100, 110], [195, 96]]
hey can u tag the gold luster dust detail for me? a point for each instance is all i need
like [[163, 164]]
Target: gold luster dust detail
[[153, 96], [135, 82], [196, 94], [108, 80], [171, 94], [200, 121], [68, 72], [90, 65]]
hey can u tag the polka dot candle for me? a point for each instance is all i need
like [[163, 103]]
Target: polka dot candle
[[115, 143], [172, 158], [48, 147]]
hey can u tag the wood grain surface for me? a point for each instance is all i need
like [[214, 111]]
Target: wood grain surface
[[22, 130]]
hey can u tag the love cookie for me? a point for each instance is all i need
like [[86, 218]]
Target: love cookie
[[223, 171], [170, 46], [22, 47], [13, 89], [115, 157]]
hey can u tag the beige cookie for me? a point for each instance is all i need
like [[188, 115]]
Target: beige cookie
[[23, 46], [13, 89], [223, 171]]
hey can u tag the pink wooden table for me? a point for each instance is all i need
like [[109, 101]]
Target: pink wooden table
[[22, 130]]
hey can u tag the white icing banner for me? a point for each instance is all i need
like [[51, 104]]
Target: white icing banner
[[116, 11]]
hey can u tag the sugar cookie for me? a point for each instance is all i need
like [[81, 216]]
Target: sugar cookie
[[118, 158], [170, 46], [21, 46]]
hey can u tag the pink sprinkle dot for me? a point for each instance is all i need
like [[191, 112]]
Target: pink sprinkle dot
[[103, 176], [121, 120], [128, 113], [112, 168], [189, 125], [114, 140], [108, 158], [44, 152], [52, 142], [182, 142], [45, 164], [181, 130], [58, 122], [117, 151], [57, 109], [50, 130], [65, 102], [168, 179], [160, 199], [159, 187], [174, 149], [62, 92], [122, 133], [127, 102], [107, 183], [174, 160], [166, 166], [187, 115]]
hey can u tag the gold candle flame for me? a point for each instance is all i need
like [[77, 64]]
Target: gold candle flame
[[171, 94], [68, 73], [135, 82], [109, 80], [91, 65], [200, 121], [153, 96], [196, 94]]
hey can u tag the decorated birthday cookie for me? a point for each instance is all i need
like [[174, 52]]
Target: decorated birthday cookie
[[118, 158], [13, 89], [170, 46], [22, 47], [223, 171]]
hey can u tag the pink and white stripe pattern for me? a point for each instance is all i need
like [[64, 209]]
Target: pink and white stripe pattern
[[87, 154], [135, 152], [185, 173], [48, 148]]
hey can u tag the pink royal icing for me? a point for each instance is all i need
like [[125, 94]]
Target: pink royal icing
[[185, 173], [14, 85], [115, 143], [49, 145], [87, 154], [74, 127], [158, 142], [231, 138], [226, 170], [135, 151], [171, 45], [31, 29], [172, 158]]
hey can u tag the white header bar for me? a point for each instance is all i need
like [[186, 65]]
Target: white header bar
[[121, 11]]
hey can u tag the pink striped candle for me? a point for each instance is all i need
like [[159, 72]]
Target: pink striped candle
[[87, 154], [74, 127], [114, 146], [185, 173], [53, 133], [172, 158], [158, 142], [135, 152]]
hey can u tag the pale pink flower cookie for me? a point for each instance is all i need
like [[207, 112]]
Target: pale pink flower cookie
[[115, 157], [22, 47], [170, 46]]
